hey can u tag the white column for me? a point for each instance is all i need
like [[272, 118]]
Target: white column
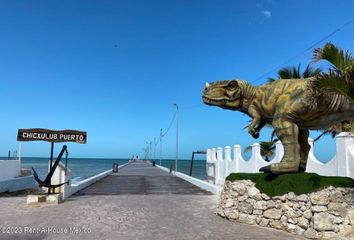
[[215, 169], [210, 166], [256, 158], [227, 161], [19, 151], [345, 143], [220, 166], [237, 158]]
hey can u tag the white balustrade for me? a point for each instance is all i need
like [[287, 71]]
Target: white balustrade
[[220, 163]]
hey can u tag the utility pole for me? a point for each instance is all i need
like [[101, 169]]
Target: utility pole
[[177, 113]]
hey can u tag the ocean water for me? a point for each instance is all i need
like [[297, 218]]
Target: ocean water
[[82, 168], [183, 166]]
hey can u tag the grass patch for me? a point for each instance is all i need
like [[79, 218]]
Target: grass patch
[[299, 183]]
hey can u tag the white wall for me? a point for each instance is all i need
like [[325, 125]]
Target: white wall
[[220, 164], [9, 169], [17, 184]]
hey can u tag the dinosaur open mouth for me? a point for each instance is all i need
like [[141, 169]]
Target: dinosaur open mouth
[[222, 100]]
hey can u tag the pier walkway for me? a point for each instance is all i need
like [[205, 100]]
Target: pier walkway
[[142, 178], [139, 202]]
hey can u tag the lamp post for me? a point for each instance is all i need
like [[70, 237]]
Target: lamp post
[[150, 150], [155, 145], [147, 151], [177, 113]]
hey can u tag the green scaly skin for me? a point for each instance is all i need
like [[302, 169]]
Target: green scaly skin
[[291, 106]]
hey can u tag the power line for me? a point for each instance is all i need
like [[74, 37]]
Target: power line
[[304, 51], [173, 118]]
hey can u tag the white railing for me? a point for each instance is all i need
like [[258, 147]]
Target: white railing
[[220, 163]]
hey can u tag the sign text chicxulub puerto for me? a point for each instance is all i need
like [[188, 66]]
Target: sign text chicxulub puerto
[[40, 134]]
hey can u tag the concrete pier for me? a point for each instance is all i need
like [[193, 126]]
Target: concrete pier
[[142, 178]]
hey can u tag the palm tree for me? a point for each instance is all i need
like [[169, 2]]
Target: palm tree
[[340, 76], [295, 73], [267, 149]]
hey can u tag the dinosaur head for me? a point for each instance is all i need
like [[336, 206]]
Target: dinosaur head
[[225, 94]]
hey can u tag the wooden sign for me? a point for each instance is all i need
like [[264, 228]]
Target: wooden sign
[[41, 134]]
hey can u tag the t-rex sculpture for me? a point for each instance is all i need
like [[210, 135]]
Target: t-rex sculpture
[[291, 106]]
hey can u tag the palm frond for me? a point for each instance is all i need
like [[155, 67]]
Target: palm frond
[[328, 131], [341, 62], [294, 72], [285, 73], [335, 83], [311, 72]]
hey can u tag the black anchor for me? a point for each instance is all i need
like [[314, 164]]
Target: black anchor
[[47, 181]]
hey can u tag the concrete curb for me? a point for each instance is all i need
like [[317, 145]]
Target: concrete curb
[[74, 188], [195, 181]]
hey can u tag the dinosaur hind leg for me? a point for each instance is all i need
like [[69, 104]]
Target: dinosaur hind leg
[[288, 132], [304, 149]]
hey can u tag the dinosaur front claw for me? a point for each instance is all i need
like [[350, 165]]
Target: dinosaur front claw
[[253, 132], [255, 135]]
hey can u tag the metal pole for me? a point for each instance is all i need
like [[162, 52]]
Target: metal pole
[[146, 152], [160, 146], [51, 163], [191, 166], [19, 151], [177, 113], [155, 144], [150, 150]]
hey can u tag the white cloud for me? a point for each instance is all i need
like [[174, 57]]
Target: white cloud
[[267, 14]]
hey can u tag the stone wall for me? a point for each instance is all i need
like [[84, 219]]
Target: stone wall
[[325, 214]]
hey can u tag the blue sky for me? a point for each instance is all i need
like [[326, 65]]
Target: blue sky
[[115, 68]]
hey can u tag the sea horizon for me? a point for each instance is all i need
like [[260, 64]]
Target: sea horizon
[[83, 168]]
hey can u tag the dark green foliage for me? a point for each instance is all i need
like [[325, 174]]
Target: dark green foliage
[[299, 183], [294, 72], [332, 82], [340, 77], [341, 61], [267, 148]]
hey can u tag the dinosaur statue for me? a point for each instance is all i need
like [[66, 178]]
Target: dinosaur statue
[[291, 106]]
